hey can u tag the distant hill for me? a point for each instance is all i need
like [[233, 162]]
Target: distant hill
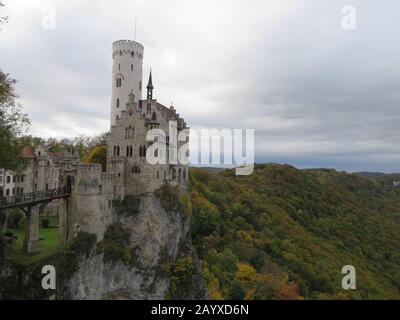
[[284, 233], [371, 174]]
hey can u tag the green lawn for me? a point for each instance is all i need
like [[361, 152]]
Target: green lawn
[[48, 244]]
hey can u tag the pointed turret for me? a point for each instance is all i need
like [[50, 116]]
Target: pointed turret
[[150, 84], [149, 92]]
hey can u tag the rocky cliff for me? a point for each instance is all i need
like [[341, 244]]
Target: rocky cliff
[[146, 253], [137, 259]]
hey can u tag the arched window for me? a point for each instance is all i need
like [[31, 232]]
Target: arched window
[[130, 151], [140, 151], [184, 174], [135, 169], [126, 133], [127, 151], [131, 131], [173, 173], [132, 54], [144, 151], [131, 67], [154, 116], [120, 52], [118, 103], [118, 151], [180, 174]]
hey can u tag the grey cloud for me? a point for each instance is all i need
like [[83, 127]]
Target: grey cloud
[[315, 94]]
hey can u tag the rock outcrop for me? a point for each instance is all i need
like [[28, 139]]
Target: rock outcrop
[[137, 258]]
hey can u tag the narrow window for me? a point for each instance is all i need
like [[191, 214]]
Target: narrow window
[[118, 103], [131, 67]]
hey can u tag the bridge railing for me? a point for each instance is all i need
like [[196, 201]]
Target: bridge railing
[[32, 197]]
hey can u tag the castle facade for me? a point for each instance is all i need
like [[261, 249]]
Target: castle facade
[[128, 172]]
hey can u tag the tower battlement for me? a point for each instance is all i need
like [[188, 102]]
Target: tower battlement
[[126, 75]]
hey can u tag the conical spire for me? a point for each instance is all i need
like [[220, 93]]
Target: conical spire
[[150, 84]]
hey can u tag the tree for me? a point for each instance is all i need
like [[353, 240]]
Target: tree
[[97, 155], [3, 19], [13, 122]]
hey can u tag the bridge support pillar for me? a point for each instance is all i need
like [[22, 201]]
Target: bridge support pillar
[[63, 222], [31, 240]]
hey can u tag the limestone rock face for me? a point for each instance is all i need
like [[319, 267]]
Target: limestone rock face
[[157, 237]]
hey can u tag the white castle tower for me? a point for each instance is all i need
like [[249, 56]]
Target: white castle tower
[[126, 75]]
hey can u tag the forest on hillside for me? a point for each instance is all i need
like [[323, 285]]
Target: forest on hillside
[[284, 233]]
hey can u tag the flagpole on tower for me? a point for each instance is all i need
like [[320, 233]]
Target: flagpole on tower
[[135, 26]]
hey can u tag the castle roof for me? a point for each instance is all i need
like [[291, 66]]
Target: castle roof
[[28, 152]]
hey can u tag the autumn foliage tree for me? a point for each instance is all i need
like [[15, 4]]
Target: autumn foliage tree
[[13, 123]]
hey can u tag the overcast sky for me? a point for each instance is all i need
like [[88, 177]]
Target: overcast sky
[[317, 94]]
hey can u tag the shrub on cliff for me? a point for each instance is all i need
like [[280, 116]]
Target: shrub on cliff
[[180, 276], [116, 246], [172, 200]]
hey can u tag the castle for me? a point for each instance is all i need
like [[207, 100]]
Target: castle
[[93, 192]]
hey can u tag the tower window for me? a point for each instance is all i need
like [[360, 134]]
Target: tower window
[[131, 67], [132, 54], [119, 82], [135, 169], [119, 66], [117, 103]]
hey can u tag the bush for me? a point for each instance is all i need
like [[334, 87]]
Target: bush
[[9, 237], [180, 276], [115, 245], [45, 223], [9, 234], [14, 219]]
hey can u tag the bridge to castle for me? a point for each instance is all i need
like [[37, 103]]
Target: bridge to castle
[[31, 199], [33, 204]]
